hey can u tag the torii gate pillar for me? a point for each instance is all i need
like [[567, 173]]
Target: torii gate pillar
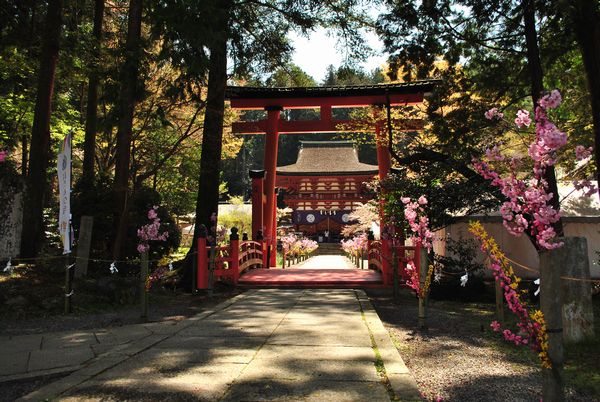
[[383, 152], [258, 202], [385, 164], [270, 164]]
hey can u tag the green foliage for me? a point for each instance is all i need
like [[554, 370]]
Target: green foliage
[[479, 50], [237, 216], [346, 75], [461, 258]]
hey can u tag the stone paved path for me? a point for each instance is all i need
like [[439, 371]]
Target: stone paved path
[[28, 356], [307, 345]]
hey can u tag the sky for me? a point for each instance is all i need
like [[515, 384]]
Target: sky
[[315, 53]]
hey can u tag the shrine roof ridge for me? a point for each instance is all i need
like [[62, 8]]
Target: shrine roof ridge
[[327, 158], [240, 92]]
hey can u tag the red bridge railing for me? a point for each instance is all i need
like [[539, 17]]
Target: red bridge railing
[[229, 261], [380, 257]]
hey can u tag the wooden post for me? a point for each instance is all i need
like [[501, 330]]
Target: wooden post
[[577, 310], [234, 254], [202, 268], [370, 239], [83, 246], [396, 285], [143, 293], [499, 301], [551, 267], [68, 284], [423, 267]]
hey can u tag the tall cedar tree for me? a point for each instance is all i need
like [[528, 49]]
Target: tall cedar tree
[[127, 100], [91, 116], [585, 18], [37, 184], [212, 134]]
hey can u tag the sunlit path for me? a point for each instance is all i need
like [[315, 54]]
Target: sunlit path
[[302, 345], [326, 262]]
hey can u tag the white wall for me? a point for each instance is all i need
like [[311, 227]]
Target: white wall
[[520, 249]]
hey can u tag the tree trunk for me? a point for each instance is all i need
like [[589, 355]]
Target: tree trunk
[[91, 118], [127, 101], [207, 201], [24, 159], [537, 88], [586, 22], [40, 134]]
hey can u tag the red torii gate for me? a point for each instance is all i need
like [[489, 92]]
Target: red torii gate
[[274, 100]]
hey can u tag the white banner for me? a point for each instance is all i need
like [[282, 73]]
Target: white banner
[[64, 189]]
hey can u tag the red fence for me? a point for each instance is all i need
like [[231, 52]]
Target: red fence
[[228, 262], [380, 256]]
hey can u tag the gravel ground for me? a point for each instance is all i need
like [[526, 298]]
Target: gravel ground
[[459, 358], [11, 391], [162, 306]]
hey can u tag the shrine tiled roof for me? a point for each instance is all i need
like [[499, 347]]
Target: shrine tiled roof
[[233, 92], [320, 158]]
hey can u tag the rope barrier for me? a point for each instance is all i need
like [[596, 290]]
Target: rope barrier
[[55, 257], [568, 278]]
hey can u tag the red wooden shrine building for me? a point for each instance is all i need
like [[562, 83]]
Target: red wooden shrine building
[[274, 100], [324, 186]]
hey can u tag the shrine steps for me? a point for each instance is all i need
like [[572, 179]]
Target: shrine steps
[[329, 249]]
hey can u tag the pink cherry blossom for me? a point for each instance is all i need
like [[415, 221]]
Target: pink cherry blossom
[[551, 136], [419, 224], [495, 326], [3, 155], [150, 231], [551, 100], [493, 113], [582, 153], [522, 118], [530, 197]]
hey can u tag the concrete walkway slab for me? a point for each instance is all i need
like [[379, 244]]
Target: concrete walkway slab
[[266, 345]]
